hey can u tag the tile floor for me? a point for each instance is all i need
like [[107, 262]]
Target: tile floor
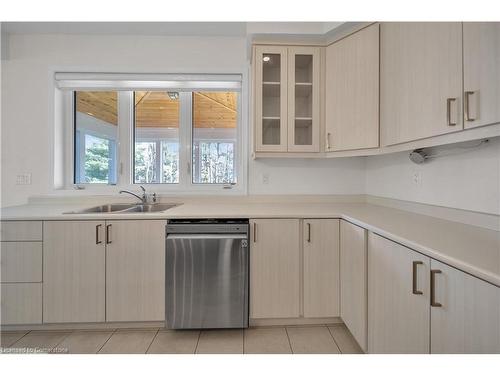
[[332, 339]]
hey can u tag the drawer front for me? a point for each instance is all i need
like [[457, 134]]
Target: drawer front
[[21, 303], [21, 262], [21, 230]]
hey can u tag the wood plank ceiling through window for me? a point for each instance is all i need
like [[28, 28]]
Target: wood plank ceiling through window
[[156, 109]]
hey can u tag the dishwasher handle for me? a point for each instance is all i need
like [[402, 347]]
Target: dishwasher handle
[[193, 236]]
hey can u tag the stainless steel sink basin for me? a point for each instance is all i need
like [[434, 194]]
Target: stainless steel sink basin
[[126, 208], [155, 207]]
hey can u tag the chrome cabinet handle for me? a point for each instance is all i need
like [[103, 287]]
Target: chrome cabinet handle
[[108, 233], [254, 232], [433, 287], [97, 230], [414, 272], [308, 232], [328, 140], [467, 106], [448, 111]]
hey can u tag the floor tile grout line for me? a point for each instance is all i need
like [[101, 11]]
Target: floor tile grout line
[[151, 343], [18, 339], [105, 342], [197, 342], [335, 341], [289, 342], [64, 338]]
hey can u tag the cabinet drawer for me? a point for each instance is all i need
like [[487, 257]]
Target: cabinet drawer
[[21, 262], [21, 231], [21, 303]]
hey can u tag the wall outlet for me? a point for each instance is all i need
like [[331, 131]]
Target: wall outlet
[[265, 178], [417, 178], [23, 179]]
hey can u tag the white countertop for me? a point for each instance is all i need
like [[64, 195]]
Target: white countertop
[[472, 249]]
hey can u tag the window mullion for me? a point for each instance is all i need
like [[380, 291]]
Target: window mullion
[[185, 163], [125, 138]]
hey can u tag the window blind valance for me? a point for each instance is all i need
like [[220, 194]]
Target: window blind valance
[[147, 81]]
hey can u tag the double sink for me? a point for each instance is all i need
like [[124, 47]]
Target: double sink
[[125, 208]]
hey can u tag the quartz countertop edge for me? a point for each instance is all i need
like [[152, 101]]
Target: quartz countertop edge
[[471, 249]]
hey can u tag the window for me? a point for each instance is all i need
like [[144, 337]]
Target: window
[[214, 137], [96, 132], [181, 135], [156, 132]]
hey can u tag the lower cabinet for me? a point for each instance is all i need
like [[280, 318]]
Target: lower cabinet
[[465, 312], [294, 268], [74, 256], [21, 303], [321, 268], [419, 305], [275, 268], [398, 298], [353, 280], [135, 270], [96, 271]]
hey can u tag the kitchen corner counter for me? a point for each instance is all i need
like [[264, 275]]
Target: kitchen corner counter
[[472, 249]]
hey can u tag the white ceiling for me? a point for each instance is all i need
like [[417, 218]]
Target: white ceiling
[[235, 29]]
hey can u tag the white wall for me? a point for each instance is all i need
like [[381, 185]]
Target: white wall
[[468, 180], [28, 119]]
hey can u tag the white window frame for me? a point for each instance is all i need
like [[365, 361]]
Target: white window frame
[[125, 146]]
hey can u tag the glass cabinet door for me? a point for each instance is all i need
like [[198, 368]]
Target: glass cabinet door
[[271, 99], [303, 99]]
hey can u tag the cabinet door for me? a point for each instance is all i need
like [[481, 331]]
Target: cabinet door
[[468, 318], [481, 73], [321, 268], [353, 283], [420, 80], [398, 316], [270, 98], [274, 268], [73, 271], [352, 91], [303, 99], [135, 270]]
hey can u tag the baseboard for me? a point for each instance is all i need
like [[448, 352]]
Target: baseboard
[[293, 321], [88, 326]]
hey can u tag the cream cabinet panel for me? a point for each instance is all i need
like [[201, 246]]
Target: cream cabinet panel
[[275, 268], [303, 99], [321, 268], [21, 262], [353, 280], [352, 91], [21, 230], [481, 73], [465, 316], [420, 80], [135, 270], [21, 303], [73, 271], [398, 307], [271, 90]]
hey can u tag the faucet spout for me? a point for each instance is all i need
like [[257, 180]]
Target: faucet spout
[[142, 199]]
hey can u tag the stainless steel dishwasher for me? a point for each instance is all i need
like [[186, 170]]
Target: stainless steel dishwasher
[[206, 274]]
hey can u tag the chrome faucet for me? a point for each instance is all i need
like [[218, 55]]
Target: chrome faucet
[[143, 199]]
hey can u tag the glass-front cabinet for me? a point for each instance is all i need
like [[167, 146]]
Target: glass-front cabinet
[[286, 99]]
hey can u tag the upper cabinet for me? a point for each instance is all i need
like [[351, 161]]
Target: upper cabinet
[[481, 73], [420, 80], [352, 91], [287, 111]]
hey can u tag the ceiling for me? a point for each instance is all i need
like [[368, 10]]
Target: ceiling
[[232, 29], [156, 109]]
